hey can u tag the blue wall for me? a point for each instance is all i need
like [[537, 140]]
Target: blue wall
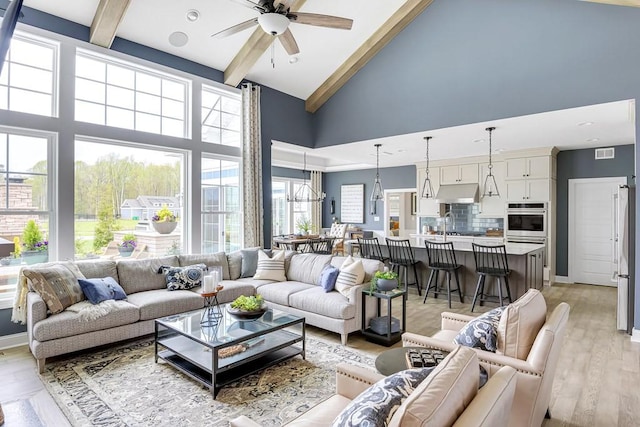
[[398, 177]]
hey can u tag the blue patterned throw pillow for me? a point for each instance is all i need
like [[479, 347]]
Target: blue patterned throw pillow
[[376, 405], [183, 277], [481, 332]]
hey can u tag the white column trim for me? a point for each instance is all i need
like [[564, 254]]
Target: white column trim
[[15, 340]]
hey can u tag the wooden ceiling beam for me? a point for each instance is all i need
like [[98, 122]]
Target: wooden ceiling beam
[[374, 44], [632, 3], [105, 23], [250, 52]]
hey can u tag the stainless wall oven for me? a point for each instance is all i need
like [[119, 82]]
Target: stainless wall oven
[[526, 220]]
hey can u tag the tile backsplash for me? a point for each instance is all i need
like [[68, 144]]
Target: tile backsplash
[[465, 216]]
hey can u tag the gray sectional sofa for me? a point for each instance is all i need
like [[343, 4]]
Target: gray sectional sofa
[[148, 299]]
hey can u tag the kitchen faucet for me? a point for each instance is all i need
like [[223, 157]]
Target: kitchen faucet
[[444, 224]]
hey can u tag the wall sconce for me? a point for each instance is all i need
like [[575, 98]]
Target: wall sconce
[[333, 206]]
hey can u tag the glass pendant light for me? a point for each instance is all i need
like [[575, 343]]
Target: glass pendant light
[[490, 186], [376, 193], [427, 189], [306, 194]]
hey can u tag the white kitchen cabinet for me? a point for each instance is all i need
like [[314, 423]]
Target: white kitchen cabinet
[[492, 207], [537, 190], [538, 167], [428, 207], [459, 174]]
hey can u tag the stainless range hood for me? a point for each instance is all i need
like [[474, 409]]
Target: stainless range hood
[[458, 193]]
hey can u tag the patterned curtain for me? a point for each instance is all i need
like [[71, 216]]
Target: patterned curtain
[[316, 207], [252, 166]]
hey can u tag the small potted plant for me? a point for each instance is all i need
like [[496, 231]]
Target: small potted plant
[[247, 308], [384, 281], [164, 221], [34, 246], [128, 244]]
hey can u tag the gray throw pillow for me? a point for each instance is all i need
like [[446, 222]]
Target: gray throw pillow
[[481, 332], [376, 405]]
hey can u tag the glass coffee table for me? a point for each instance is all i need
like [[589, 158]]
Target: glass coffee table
[[229, 350]]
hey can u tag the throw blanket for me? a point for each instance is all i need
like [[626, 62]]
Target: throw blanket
[[19, 312], [87, 311]]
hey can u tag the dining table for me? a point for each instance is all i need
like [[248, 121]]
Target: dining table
[[292, 241]]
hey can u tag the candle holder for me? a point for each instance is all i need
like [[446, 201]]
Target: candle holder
[[211, 314]]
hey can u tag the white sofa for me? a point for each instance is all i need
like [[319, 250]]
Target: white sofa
[[149, 299]]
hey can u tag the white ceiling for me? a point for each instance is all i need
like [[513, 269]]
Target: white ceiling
[[594, 126], [322, 50]]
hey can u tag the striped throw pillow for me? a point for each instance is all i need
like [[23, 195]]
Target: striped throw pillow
[[351, 274], [270, 268]]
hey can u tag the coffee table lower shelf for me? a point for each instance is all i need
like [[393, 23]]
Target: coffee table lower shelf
[[205, 377]]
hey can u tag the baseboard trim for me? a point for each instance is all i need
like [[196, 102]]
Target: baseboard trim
[[15, 340], [562, 279], [635, 335]]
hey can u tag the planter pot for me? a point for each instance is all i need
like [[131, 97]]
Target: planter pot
[[385, 285], [164, 227], [35, 257], [125, 252]]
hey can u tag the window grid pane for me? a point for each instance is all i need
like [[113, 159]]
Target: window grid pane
[[158, 103], [221, 123]]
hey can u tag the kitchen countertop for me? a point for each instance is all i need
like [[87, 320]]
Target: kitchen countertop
[[465, 245]]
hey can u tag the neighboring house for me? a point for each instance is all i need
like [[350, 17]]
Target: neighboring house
[[144, 207]]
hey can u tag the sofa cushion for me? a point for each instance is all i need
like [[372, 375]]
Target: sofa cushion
[[376, 405], [256, 283], [351, 274], [328, 278], [101, 289], [160, 302], [520, 323], [234, 259], [231, 290], [315, 300], [481, 332], [98, 268], [186, 277], [68, 323], [306, 268], [139, 275], [444, 394], [57, 284], [270, 268], [210, 260], [280, 292]]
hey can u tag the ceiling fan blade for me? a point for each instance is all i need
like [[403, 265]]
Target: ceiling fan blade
[[289, 42], [236, 28], [321, 20], [250, 4]]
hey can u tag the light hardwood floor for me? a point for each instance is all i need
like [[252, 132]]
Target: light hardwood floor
[[597, 382]]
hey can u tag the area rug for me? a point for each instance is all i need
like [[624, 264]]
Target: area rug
[[123, 386]]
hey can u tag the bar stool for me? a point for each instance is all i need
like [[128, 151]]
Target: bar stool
[[442, 258], [401, 257], [370, 248], [491, 261]]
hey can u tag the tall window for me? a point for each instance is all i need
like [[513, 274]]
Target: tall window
[[122, 95], [287, 215], [221, 120], [28, 79], [24, 203], [221, 205], [118, 190]]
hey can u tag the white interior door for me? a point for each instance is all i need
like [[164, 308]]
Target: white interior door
[[592, 256]]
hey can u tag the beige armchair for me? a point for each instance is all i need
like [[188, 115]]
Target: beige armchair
[[527, 341], [449, 396], [338, 231]]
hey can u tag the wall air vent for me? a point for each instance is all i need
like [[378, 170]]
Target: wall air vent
[[605, 153]]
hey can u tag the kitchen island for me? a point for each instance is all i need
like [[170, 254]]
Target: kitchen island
[[526, 262]]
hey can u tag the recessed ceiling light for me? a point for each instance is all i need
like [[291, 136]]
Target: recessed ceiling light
[[585, 124], [193, 15], [178, 39], [293, 59], [593, 139]]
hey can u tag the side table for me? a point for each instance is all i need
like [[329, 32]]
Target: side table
[[390, 337]]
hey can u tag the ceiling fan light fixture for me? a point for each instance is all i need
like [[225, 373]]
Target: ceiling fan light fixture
[[273, 23]]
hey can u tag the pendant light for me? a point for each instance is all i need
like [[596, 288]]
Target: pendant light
[[427, 189], [490, 186], [306, 194], [377, 193]]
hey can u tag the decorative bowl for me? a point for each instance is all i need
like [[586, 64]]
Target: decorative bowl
[[246, 315]]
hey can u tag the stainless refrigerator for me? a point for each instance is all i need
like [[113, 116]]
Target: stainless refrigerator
[[622, 245]]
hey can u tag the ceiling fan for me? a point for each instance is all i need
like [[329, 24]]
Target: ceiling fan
[[275, 18]]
